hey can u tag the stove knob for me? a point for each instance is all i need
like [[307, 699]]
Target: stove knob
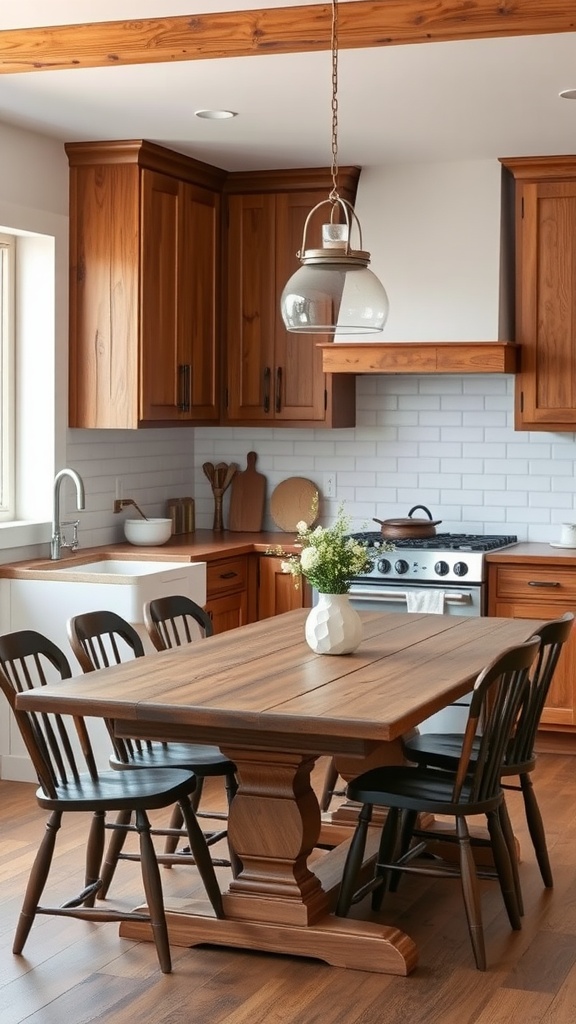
[[401, 566], [441, 568], [460, 569], [383, 566]]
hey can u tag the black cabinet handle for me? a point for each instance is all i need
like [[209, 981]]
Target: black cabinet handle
[[278, 401], [185, 387], [227, 575], [267, 375], [542, 583]]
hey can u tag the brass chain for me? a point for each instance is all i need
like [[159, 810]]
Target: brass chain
[[334, 197]]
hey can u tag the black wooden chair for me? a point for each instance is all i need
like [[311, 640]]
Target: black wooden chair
[[27, 660], [171, 622], [442, 750], [175, 620], [100, 639], [473, 788]]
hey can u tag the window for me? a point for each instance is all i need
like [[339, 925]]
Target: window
[[7, 318]]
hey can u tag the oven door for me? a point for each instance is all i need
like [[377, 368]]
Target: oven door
[[370, 596]]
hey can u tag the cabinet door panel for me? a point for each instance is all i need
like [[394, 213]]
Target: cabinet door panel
[[228, 612], [276, 590], [546, 312], [560, 707], [104, 269], [250, 307], [159, 316], [198, 255]]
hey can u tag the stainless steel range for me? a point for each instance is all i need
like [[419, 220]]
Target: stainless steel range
[[452, 563]]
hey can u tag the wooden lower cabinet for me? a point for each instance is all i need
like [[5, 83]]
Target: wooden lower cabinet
[[541, 592], [231, 592], [276, 590]]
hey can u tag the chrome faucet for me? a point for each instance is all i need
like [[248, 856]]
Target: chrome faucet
[[58, 540]]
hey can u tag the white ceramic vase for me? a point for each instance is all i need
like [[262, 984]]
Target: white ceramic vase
[[333, 626]]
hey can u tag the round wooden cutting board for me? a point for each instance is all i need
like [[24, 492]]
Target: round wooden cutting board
[[293, 501]]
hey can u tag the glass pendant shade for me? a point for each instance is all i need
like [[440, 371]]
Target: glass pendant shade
[[333, 289], [319, 298]]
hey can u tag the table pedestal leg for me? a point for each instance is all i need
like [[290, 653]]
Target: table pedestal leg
[[277, 903]]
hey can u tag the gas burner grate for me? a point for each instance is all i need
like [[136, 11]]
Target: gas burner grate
[[441, 541]]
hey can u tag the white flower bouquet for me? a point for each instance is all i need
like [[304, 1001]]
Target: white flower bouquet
[[330, 557]]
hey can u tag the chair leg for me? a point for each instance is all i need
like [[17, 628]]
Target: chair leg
[[153, 891], [353, 862], [409, 819], [202, 858], [508, 833], [37, 881], [388, 840], [117, 840], [176, 822], [504, 868], [536, 829], [469, 881], [94, 854]]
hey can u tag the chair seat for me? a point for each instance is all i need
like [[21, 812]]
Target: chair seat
[[442, 750], [202, 759], [426, 790], [116, 791]]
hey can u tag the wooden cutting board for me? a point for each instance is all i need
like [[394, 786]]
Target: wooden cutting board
[[247, 498], [293, 501]]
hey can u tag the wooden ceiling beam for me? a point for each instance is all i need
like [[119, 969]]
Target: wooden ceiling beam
[[365, 23]]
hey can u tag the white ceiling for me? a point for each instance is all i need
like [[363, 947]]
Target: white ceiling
[[429, 102]]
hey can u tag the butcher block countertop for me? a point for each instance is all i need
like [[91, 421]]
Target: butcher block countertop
[[208, 546], [200, 546], [526, 553]]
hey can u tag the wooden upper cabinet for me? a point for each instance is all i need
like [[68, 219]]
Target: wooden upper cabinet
[[545, 225], [273, 376], [144, 253]]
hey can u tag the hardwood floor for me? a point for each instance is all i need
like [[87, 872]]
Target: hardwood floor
[[74, 972]]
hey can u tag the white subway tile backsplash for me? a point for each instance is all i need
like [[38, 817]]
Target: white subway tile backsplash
[[447, 442]]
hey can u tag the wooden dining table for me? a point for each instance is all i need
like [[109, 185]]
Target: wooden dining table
[[274, 707]]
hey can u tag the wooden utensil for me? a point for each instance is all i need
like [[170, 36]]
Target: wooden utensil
[[220, 477], [247, 498]]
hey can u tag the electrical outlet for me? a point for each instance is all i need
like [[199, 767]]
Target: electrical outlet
[[329, 485]]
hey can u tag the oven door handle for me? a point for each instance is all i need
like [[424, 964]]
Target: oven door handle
[[400, 595]]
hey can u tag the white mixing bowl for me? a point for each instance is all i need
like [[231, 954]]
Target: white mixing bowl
[[147, 531]]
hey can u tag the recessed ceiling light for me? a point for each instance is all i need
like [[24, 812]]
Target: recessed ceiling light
[[215, 115], [568, 94]]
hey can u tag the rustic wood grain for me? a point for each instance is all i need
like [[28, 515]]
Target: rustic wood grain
[[420, 357], [277, 30], [247, 498]]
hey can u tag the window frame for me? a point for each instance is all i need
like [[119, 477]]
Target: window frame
[[7, 376]]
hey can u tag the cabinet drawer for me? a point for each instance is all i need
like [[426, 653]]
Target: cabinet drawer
[[536, 582], [226, 576]]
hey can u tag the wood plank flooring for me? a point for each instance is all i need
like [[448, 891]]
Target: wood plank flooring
[[75, 972]]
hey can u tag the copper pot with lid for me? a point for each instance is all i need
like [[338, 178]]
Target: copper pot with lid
[[394, 529]]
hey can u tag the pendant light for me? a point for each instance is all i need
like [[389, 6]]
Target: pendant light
[[334, 288]]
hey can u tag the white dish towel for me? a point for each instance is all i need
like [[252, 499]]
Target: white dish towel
[[426, 601]]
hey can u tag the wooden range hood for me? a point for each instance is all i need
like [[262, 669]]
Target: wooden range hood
[[420, 357]]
